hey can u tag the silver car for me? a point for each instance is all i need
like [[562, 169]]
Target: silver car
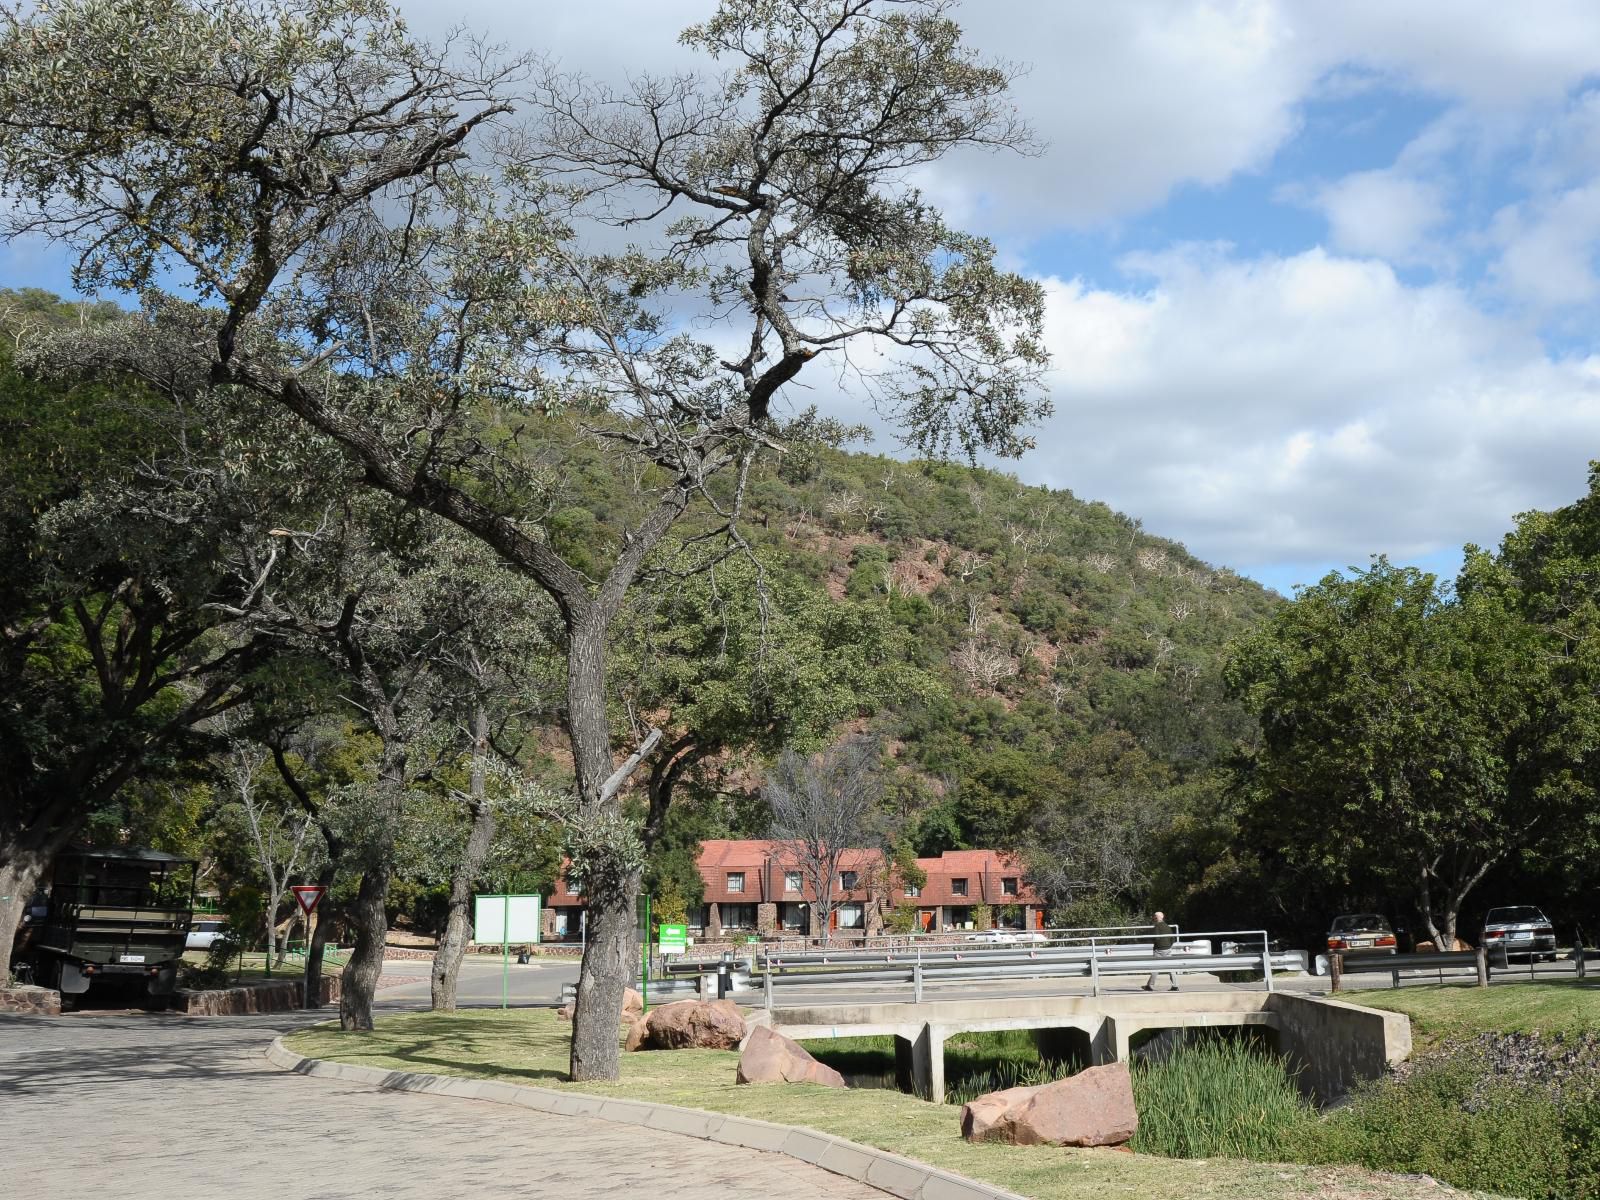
[[203, 933], [1522, 929]]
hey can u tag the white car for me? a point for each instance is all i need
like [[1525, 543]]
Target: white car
[[203, 933], [994, 937]]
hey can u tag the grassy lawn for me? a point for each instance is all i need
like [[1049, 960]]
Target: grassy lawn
[[531, 1045], [1439, 1014]]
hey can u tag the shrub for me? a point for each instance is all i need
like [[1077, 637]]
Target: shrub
[[1218, 1098], [1484, 1115]]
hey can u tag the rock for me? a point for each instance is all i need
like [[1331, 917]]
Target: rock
[[637, 1029], [981, 1115], [1431, 948], [695, 1024], [1091, 1108], [770, 1057]]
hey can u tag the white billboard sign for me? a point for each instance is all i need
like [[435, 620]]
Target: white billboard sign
[[497, 920]]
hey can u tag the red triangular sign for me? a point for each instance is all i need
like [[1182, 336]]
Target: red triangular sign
[[307, 895]]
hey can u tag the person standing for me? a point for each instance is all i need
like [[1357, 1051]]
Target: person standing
[[1163, 946]]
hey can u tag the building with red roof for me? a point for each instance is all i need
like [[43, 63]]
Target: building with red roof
[[757, 887]]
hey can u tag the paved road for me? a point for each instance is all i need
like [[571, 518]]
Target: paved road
[[164, 1107], [480, 981]]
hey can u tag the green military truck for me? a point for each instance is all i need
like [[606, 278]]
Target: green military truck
[[113, 921]]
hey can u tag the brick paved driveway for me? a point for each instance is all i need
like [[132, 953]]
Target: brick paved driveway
[[162, 1107]]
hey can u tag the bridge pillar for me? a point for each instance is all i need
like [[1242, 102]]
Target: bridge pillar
[[1109, 1043], [919, 1063]]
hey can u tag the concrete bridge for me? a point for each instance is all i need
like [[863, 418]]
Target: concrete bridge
[[1332, 1043]]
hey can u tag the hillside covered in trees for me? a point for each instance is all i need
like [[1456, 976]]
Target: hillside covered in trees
[[1066, 695]]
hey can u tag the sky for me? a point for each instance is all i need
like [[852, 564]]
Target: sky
[[1322, 279]]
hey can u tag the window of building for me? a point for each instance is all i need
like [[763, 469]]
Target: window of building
[[847, 881], [851, 916], [792, 917], [695, 918], [913, 890], [737, 916], [735, 881], [572, 888], [1008, 886], [958, 887], [958, 918], [791, 881]]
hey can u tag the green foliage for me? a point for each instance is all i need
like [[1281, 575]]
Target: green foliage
[[983, 916], [668, 905], [1457, 1118], [1404, 735], [902, 919], [1218, 1097]]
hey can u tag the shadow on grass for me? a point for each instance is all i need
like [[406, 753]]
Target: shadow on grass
[[432, 1054]]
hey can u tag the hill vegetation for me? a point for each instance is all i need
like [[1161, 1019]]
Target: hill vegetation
[[1068, 699]]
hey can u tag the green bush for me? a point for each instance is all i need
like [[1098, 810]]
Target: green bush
[[1461, 1119], [1218, 1098]]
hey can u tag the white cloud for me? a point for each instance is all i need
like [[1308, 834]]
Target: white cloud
[[1308, 409], [1383, 213], [1134, 100], [1483, 52], [1548, 246]]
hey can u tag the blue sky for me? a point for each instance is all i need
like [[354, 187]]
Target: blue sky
[[1322, 278]]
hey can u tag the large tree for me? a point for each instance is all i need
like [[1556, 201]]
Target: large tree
[[304, 168], [114, 649], [1405, 734], [823, 806]]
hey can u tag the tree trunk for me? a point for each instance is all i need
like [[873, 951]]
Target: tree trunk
[[359, 982], [607, 965], [272, 958], [453, 943], [319, 939], [608, 968], [23, 864], [18, 879]]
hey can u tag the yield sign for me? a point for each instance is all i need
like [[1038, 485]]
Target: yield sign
[[307, 895]]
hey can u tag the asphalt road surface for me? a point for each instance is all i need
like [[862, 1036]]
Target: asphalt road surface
[[480, 981], [163, 1107]]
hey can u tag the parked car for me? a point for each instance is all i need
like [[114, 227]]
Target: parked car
[[203, 933], [1522, 929], [1361, 933], [994, 937]]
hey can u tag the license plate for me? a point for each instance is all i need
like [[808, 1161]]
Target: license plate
[[1361, 941], [131, 958]]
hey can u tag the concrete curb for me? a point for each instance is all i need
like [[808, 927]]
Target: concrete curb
[[902, 1177]]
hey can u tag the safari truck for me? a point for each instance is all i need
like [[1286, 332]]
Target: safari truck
[[111, 920]]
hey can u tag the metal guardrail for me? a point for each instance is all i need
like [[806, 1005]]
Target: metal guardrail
[[1092, 956], [908, 942], [1482, 961]]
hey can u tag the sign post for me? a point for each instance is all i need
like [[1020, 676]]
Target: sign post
[[307, 895], [505, 919]]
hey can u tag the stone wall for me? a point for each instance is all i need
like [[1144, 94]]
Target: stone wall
[[250, 998], [34, 1001]]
